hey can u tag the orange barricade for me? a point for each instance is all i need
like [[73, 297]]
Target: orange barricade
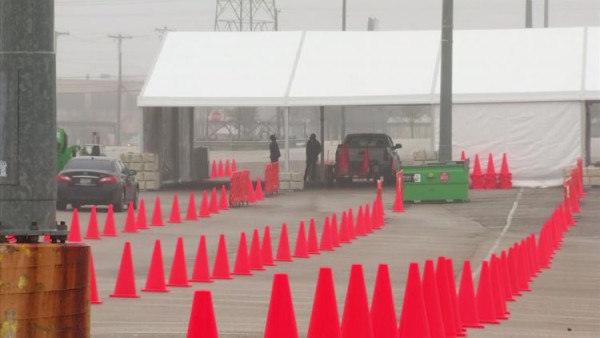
[[271, 179], [238, 189]]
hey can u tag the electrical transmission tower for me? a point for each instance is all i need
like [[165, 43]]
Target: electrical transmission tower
[[246, 15]]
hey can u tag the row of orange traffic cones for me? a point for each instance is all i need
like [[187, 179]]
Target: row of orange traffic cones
[[218, 170], [432, 305], [133, 223], [248, 259], [490, 180]]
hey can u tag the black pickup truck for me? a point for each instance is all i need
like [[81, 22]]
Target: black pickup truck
[[365, 156]]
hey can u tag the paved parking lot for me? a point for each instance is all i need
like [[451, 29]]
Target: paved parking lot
[[565, 301]]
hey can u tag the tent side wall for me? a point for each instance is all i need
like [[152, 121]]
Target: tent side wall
[[539, 138]]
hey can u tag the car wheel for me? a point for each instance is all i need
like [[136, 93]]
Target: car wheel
[[118, 203], [61, 205]]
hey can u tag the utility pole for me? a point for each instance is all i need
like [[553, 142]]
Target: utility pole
[[546, 13], [163, 31], [528, 13], [58, 34], [119, 38], [445, 148], [343, 113]]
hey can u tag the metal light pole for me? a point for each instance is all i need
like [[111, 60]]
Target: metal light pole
[[119, 39], [445, 147]]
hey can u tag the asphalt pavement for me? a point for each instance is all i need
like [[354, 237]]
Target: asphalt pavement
[[565, 301]]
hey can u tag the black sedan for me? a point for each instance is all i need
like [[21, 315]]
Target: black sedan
[[96, 181]]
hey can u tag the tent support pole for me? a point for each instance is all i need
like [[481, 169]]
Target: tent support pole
[[445, 148], [286, 117]]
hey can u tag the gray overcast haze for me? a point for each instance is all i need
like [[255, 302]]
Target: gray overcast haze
[[89, 51]]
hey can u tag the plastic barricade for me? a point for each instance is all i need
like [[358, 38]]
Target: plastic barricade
[[271, 179], [238, 190]]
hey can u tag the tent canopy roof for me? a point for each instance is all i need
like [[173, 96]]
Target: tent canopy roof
[[372, 68]]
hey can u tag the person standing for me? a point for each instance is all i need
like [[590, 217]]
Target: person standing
[[274, 149], [313, 149]]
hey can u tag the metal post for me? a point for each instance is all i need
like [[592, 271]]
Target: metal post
[[546, 13], [251, 15], [528, 14], [286, 117], [445, 148], [322, 108], [119, 39]]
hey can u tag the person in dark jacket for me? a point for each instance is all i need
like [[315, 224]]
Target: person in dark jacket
[[274, 149], [313, 149]]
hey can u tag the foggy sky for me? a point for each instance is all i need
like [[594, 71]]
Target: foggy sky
[[88, 50]]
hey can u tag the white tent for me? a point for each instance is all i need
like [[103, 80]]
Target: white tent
[[520, 91]]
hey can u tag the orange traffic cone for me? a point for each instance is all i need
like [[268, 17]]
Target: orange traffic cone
[[178, 274], [242, 261], [301, 245], [444, 291], [491, 180], [255, 253], [375, 216], [110, 229], [175, 216], [283, 250], [259, 192], [204, 209], [462, 155], [223, 203], [202, 317], [335, 238], [94, 299], [356, 321], [75, 232], [477, 179], [413, 320], [383, 311], [157, 219], [360, 225], [498, 292], [142, 222], [266, 248], [324, 319], [344, 232], [351, 228], [505, 176], [281, 319], [467, 306], [367, 220], [201, 271], [313, 242], [326, 244], [366, 163], [233, 166], [155, 282], [221, 267], [508, 293], [92, 229], [191, 209], [214, 203], [399, 200], [130, 225], [485, 297], [125, 286], [227, 172], [431, 298], [251, 194], [213, 170], [220, 172], [453, 298]]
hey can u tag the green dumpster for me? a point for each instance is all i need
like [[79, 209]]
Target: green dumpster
[[437, 182]]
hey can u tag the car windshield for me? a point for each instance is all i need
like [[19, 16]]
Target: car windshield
[[367, 141], [89, 164]]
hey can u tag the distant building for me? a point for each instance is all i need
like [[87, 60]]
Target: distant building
[[86, 106]]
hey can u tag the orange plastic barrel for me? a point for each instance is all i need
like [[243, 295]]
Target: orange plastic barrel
[[44, 290]]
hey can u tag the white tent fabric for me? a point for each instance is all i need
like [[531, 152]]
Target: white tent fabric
[[372, 68], [537, 151]]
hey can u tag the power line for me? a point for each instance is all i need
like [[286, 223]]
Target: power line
[[119, 38]]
